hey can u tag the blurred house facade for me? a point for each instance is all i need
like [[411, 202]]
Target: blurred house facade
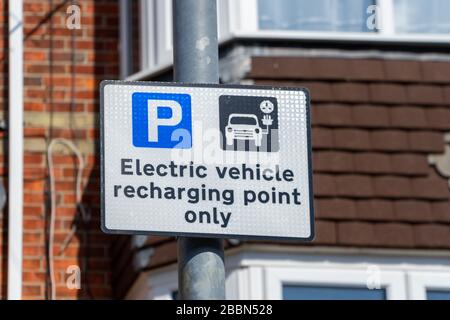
[[379, 77]]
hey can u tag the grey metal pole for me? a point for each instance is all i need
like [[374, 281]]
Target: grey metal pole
[[201, 270]]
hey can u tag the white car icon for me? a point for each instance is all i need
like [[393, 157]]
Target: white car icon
[[243, 127]]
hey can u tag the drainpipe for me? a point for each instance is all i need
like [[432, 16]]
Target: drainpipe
[[15, 137]]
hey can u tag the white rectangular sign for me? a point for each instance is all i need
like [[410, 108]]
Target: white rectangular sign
[[206, 160]]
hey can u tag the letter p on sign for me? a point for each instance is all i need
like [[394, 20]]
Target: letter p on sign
[[159, 118], [162, 113]]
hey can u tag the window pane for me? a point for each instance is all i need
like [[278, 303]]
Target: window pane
[[438, 295], [317, 15], [422, 16], [291, 292]]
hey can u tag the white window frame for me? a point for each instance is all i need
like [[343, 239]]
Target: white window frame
[[246, 26], [147, 30], [239, 19], [260, 274], [420, 282], [161, 283], [391, 281], [156, 35]]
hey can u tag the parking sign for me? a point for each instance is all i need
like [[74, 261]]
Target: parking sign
[[206, 160], [156, 116]]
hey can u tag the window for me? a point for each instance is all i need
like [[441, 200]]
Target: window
[[422, 16], [438, 295], [395, 20], [264, 274], [395, 16], [412, 21], [333, 283], [429, 285], [292, 292], [318, 15], [146, 27]]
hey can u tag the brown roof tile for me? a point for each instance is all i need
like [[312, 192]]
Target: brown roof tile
[[325, 233], [409, 164], [431, 187], [372, 163], [365, 70], [370, 116], [356, 186], [340, 209], [330, 68], [281, 68], [332, 115], [438, 118], [392, 187], [376, 210], [413, 210], [441, 211], [332, 161], [389, 70], [351, 139], [388, 93], [356, 234], [322, 138], [437, 72], [408, 117], [400, 71], [446, 92], [350, 92], [432, 236], [394, 235], [430, 142], [389, 140], [319, 91], [298, 68], [324, 185], [425, 94]]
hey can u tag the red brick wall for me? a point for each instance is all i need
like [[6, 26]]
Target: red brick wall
[[62, 70]]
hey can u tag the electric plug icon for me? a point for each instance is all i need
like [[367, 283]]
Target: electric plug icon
[[267, 120]]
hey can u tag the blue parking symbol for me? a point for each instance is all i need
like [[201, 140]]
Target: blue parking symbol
[[162, 120]]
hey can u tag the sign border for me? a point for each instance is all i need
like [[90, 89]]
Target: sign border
[[194, 234]]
